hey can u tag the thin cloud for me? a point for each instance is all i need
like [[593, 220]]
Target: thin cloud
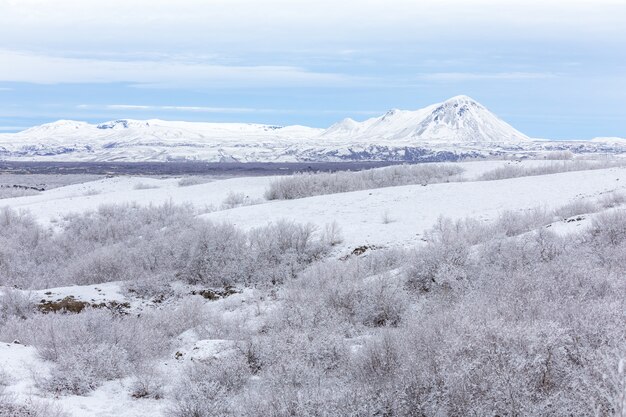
[[44, 69], [12, 128], [477, 76], [200, 109], [221, 110]]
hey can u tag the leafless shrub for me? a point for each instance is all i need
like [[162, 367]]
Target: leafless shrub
[[237, 200], [613, 199], [11, 407], [311, 184], [144, 186], [12, 192], [575, 208], [515, 171], [188, 181]]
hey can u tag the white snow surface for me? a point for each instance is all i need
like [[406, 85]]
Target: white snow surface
[[610, 140], [51, 205], [409, 210], [414, 208]]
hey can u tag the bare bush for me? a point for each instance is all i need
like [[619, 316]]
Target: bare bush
[[575, 208], [223, 255], [149, 247], [559, 155], [97, 345], [15, 303], [311, 184], [12, 192], [11, 407], [144, 186], [515, 171], [613, 199], [188, 181], [237, 200], [207, 389]]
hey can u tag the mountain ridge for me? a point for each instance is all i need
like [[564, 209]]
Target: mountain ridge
[[456, 128]]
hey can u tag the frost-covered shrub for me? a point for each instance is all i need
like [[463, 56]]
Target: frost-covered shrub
[[385, 301], [609, 228], [11, 407], [443, 261], [97, 345], [149, 247], [144, 186], [282, 249], [15, 303], [515, 171], [237, 200], [216, 256], [207, 389], [188, 181], [148, 382], [613, 199], [575, 208], [222, 255], [113, 243], [309, 184], [512, 224], [104, 264], [78, 370], [332, 234], [12, 192], [559, 155], [353, 292]]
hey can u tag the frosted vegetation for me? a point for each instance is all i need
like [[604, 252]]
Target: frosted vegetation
[[308, 184], [148, 246], [515, 171], [10, 192], [500, 318]]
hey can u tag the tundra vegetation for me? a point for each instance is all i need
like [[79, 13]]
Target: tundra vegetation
[[308, 184], [485, 318]]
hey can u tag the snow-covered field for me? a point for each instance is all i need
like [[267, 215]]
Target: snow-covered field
[[393, 218]]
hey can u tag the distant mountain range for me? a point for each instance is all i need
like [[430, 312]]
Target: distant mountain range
[[457, 128]]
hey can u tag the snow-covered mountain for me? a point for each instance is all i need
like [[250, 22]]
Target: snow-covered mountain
[[458, 127], [457, 120]]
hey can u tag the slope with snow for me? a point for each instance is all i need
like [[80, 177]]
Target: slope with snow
[[396, 216], [408, 210]]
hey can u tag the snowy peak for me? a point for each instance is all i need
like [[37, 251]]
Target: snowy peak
[[459, 119], [123, 124], [462, 100], [58, 126], [344, 127], [463, 119]]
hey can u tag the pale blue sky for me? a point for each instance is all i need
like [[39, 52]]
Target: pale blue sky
[[553, 69]]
